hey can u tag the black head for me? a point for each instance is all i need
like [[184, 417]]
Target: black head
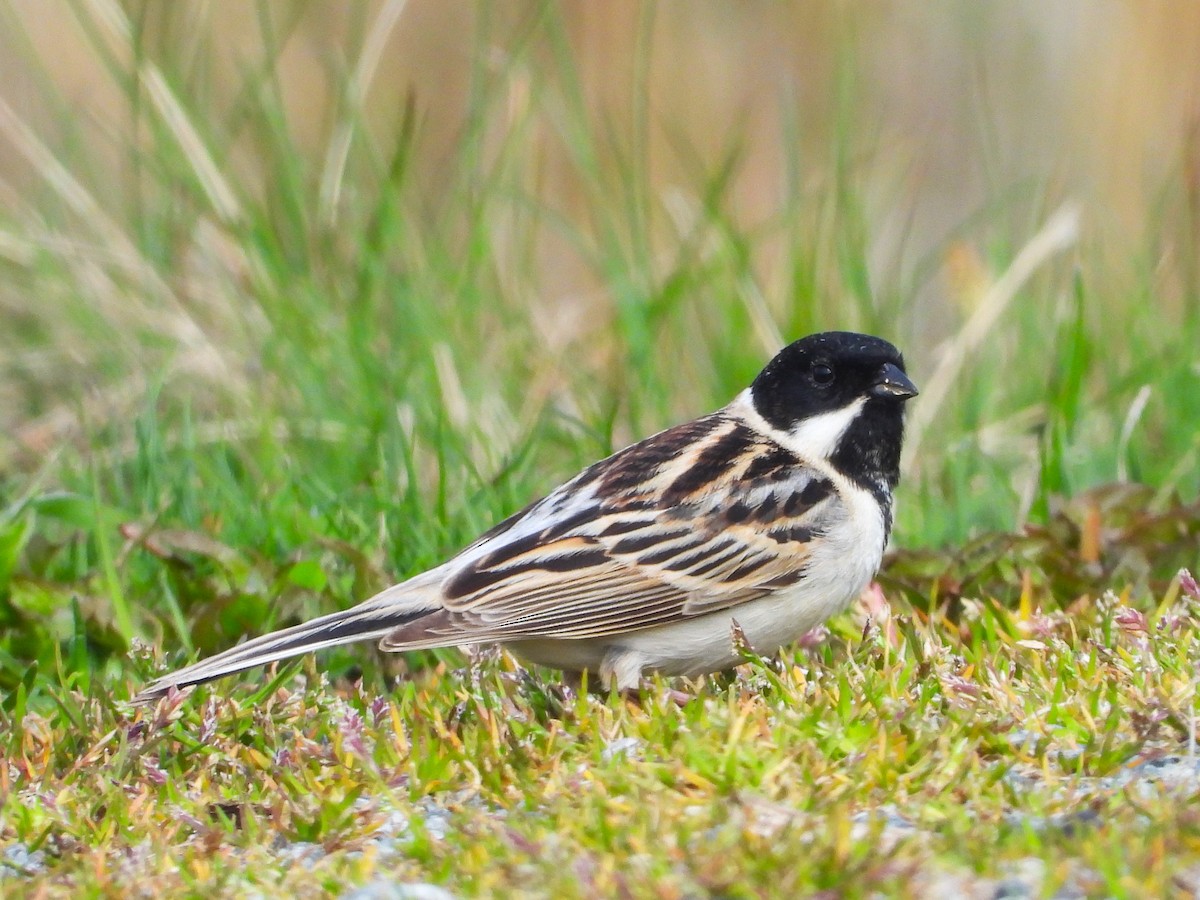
[[841, 396]]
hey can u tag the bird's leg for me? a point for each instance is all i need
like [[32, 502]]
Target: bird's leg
[[621, 668]]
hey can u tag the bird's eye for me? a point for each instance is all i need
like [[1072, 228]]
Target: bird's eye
[[822, 374]]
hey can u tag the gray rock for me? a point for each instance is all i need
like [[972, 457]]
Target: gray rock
[[388, 890]]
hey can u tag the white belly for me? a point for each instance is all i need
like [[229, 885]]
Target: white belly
[[842, 563]]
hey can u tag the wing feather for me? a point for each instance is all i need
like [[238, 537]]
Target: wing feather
[[689, 522]]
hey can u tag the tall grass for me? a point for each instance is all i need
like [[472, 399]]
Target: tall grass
[[281, 377], [262, 355]]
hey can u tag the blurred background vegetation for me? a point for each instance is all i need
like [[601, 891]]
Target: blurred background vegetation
[[300, 296]]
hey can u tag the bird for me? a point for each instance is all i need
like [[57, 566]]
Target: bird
[[756, 522]]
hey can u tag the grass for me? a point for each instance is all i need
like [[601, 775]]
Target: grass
[[886, 758], [258, 383]]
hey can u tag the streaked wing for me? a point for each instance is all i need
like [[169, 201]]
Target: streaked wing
[[696, 519]]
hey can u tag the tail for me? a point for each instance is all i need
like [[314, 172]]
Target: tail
[[370, 620]]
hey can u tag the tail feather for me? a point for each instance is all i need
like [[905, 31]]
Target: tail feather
[[358, 623]]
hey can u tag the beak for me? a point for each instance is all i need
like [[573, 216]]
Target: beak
[[891, 382]]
